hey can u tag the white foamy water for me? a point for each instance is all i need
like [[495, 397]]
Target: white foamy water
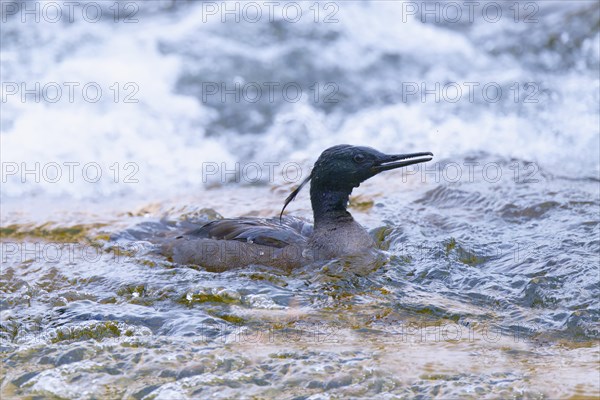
[[376, 55], [490, 290]]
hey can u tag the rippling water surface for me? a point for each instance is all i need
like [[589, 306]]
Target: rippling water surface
[[491, 285]]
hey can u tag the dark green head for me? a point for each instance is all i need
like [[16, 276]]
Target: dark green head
[[343, 167]]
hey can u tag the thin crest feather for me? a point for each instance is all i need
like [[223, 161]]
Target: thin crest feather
[[293, 195]]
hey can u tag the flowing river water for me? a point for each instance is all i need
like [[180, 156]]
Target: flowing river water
[[492, 280]]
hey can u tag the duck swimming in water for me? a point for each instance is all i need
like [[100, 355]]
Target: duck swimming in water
[[290, 242]]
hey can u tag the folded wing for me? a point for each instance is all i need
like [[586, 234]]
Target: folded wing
[[267, 232]]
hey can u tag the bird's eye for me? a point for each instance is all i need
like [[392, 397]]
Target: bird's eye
[[359, 158]]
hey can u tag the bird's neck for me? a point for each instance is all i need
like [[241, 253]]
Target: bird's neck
[[329, 205]]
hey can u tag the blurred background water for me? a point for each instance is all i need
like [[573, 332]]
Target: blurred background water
[[178, 105]]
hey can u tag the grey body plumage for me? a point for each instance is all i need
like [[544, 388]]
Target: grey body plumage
[[290, 242]]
